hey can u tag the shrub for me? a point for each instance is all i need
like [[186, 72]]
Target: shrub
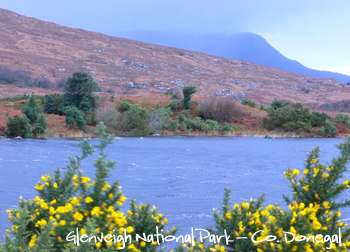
[[40, 126], [250, 103], [297, 126], [140, 109], [173, 125], [175, 105], [226, 127], [19, 78], [107, 115], [43, 82], [187, 94], [132, 121], [276, 104], [291, 117], [70, 201], [197, 123], [124, 106], [341, 118], [112, 99], [321, 131], [329, 128], [219, 109], [18, 126], [74, 117], [22, 78], [209, 125], [318, 119], [176, 96], [158, 119], [89, 117], [265, 107]]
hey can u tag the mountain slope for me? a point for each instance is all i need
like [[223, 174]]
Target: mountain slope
[[242, 46], [136, 68]]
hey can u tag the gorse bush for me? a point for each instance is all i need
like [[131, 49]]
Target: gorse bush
[[341, 118], [265, 107], [318, 119], [276, 104], [248, 102], [196, 123], [175, 105], [124, 106], [313, 213], [329, 128], [291, 117], [69, 202]]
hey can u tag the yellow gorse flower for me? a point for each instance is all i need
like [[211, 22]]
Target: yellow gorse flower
[[88, 200], [78, 216], [295, 172]]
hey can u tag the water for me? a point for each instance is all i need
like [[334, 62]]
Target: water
[[184, 176]]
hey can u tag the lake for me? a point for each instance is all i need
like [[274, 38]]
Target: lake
[[184, 176]]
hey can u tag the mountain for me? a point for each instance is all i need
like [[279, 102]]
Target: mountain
[[242, 46], [123, 66]]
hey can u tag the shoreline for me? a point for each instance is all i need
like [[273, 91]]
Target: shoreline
[[244, 133]]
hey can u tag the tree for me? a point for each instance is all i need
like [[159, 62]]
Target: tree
[[54, 104], [187, 93], [79, 92], [50, 105], [32, 110], [18, 126]]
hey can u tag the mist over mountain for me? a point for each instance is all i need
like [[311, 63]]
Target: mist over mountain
[[242, 46]]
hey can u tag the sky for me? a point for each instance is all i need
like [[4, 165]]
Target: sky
[[315, 33]]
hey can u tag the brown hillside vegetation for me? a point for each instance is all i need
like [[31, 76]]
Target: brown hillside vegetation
[[129, 67]]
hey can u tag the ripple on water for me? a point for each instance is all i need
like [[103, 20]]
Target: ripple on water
[[184, 176]]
